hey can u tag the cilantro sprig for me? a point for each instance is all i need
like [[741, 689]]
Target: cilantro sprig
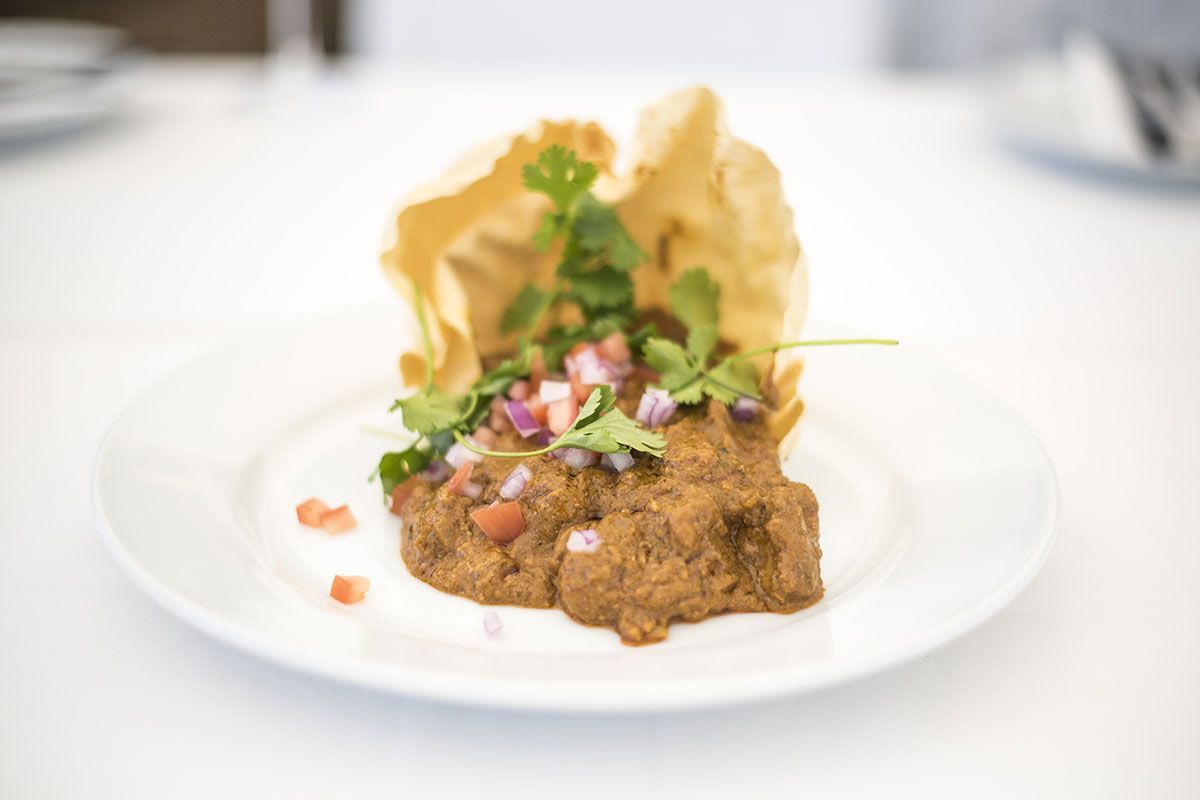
[[597, 256], [593, 274], [690, 373], [600, 427]]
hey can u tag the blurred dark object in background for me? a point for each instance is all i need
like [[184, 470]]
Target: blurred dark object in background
[[198, 26]]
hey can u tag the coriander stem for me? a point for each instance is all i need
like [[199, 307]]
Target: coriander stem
[[810, 343], [503, 454], [426, 341]]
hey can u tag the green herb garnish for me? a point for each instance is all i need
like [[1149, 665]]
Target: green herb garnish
[[598, 253], [690, 373], [600, 427], [592, 274]]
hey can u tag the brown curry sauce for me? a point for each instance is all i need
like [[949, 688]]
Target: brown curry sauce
[[711, 528]]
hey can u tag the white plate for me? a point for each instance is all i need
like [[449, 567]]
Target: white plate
[[937, 507]]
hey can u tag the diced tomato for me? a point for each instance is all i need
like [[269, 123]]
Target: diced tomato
[[501, 523], [349, 588], [562, 413], [519, 390], [460, 476], [497, 419], [339, 520], [614, 348], [539, 409], [400, 495], [485, 436], [580, 389], [309, 512], [537, 370]]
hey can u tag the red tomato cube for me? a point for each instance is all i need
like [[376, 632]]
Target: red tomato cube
[[339, 520], [309, 512], [349, 588]]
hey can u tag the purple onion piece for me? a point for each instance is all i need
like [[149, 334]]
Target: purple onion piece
[[578, 457], [470, 489], [521, 418], [545, 437], [662, 411], [585, 541], [437, 471], [514, 484], [492, 623], [621, 370], [617, 462], [655, 407], [745, 409], [592, 370], [646, 404]]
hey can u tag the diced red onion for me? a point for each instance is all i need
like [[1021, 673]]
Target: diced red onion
[[521, 417], [655, 407], [492, 623], [553, 391], [437, 471], [617, 462], [590, 369], [616, 370], [745, 409], [585, 541], [577, 457], [470, 489], [458, 455], [514, 484]]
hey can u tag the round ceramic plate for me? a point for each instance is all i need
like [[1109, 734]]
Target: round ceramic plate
[[937, 507]]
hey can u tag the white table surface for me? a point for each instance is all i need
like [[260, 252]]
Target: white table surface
[[214, 207]]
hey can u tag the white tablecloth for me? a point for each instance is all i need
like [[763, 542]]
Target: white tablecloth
[[220, 203]]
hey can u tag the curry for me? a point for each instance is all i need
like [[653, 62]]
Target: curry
[[710, 528]]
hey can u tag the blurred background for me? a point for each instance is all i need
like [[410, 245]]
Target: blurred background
[[1009, 186], [230, 137]]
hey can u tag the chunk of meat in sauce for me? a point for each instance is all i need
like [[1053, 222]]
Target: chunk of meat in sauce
[[711, 528]]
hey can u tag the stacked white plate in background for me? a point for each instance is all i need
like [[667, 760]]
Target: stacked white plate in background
[[56, 75]]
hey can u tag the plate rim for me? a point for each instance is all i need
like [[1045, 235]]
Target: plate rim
[[532, 695]]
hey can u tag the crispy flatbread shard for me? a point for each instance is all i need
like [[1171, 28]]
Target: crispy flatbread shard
[[694, 196], [465, 239]]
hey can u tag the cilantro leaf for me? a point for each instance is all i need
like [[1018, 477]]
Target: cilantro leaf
[[616, 433], [604, 429], [672, 363], [430, 412], [689, 395], [505, 374], [694, 298], [700, 342], [560, 175], [740, 376], [552, 225], [637, 340], [598, 230], [602, 288], [525, 309], [397, 467]]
